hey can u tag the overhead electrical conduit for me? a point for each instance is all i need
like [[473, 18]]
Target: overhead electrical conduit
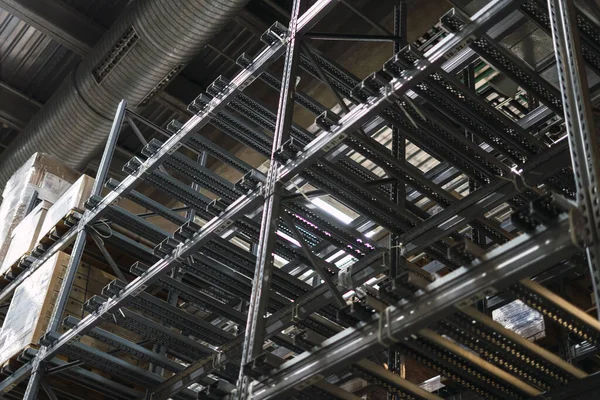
[[141, 52]]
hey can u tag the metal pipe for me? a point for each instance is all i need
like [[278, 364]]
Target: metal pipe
[[73, 125]]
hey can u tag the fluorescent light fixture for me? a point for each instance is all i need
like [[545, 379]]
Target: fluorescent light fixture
[[371, 281], [288, 238], [344, 261], [328, 208], [339, 253], [279, 261]]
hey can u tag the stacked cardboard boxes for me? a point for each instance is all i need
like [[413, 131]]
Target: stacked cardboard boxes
[[72, 200], [41, 177], [33, 302], [24, 237]]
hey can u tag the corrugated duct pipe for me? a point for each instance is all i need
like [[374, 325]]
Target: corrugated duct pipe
[[137, 56]]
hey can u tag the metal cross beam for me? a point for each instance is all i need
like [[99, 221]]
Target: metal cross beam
[[59, 21], [16, 109]]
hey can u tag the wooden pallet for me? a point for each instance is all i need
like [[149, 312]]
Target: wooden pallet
[[67, 222], [15, 270], [62, 227], [15, 362]]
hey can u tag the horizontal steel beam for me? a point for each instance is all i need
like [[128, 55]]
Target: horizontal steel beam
[[58, 20], [16, 109]]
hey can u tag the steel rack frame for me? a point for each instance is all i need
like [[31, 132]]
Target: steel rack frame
[[507, 264], [376, 103], [78, 234]]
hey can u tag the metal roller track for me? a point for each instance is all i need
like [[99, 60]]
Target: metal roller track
[[507, 133], [190, 197], [149, 204], [203, 176], [180, 191], [187, 349], [345, 76], [490, 230], [455, 367], [483, 199], [393, 117], [496, 355], [196, 297], [222, 250], [123, 345], [201, 144], [88, 379], [110, 364], [512, 352], [306, 305], [415, 177], [559, 310], [513, 67], [177, 318], [538, 13], [379, 208], [135, 224], [370, 148], [251, 227], [524, 255]]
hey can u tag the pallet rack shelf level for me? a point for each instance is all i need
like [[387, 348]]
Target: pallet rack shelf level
[[233, 218]]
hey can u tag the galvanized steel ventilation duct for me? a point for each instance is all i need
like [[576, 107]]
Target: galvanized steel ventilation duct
[[138, 55]]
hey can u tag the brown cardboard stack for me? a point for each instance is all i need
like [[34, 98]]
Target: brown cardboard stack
[[32, 304], [24, 236], [73, 199], [42, 174]]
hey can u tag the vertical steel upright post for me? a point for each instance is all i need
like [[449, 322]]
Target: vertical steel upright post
[[477, 236], [77, 252], [579, 122], [398, 194], [271, 190]]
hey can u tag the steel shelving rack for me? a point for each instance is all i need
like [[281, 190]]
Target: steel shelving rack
[[399, 96]]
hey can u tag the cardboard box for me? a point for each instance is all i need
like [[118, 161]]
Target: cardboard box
[[31, 307], [25, 235], [41, 174], [73, 199]]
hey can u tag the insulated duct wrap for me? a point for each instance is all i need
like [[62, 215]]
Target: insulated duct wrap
[[147, 46]]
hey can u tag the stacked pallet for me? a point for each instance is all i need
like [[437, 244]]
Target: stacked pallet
[[42, 226], [41, 178], [31, 308]]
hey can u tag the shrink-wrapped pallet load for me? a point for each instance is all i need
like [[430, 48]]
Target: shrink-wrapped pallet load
[[31, 307], [24, 236], [43, 178], [72, 200]]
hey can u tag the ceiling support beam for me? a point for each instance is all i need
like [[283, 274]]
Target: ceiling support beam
[[16, 109], [59, 21]]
